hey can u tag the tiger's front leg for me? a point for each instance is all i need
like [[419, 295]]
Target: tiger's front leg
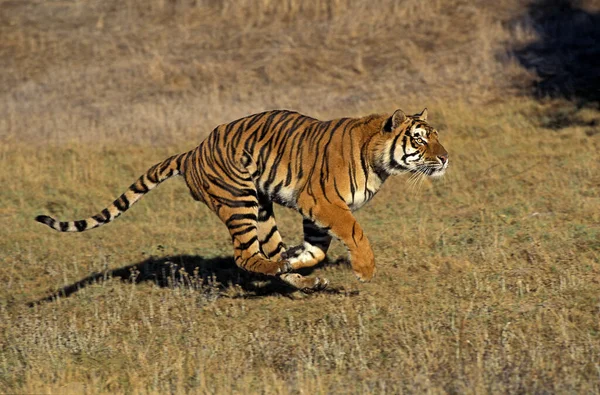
[[339, 220], [313, 250]]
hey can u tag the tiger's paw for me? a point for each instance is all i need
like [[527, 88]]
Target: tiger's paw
[[284, 266], [305, 284], [365, 274], [269, 267]]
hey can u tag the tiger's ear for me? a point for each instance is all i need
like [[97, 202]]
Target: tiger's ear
[[423, 115], [394, 121]]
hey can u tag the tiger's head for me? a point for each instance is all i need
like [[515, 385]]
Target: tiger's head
[[412, 145]]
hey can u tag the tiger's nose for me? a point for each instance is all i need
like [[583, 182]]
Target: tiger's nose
[[443, 158]]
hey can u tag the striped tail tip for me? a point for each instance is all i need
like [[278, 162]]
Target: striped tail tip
[[46, 220], [56, 225]]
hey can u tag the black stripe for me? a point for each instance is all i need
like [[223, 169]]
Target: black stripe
[[393, 150], [281, 132], [364, 163], [152, 176], [352, 183], [239, 133], [102, 218], [236, 226], [354, 233], [277, 189], [267, 125], [273, 172], [125, 201], [121, 203], [288, 177], [400, 166], [231, 125], [277, 250], [134, 187], [243, 232], [145, 188], [164, 165], [179, 160], [81, 225], [46, 220], [246, 245], [269, 235], [335, 187], [254, 119], [253, 255], [406, 156], [234, 203], [338, 124], [238, 217], [63, 226], [233, 190]]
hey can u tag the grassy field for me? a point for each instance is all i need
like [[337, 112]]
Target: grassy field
[[488, 280]]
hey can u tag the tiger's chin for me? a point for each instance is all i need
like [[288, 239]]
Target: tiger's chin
[[438, 173], [433, 172]]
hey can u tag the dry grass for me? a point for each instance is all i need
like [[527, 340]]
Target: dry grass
[[488, 279]]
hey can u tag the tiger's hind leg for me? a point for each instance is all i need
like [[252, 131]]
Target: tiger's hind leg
[[242, 221], [240, 215], [273, 248], [313, 250], [269, 238]]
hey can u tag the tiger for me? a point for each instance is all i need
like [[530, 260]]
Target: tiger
[[325, 170]]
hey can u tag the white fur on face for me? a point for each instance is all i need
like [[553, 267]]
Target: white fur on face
[[420, 132]]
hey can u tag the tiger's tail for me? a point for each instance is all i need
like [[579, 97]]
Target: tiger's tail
[[148, 181]]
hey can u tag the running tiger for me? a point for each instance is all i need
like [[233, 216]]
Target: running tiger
[[324, 170]]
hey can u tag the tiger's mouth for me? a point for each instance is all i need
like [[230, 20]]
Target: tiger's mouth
[[434, 170]]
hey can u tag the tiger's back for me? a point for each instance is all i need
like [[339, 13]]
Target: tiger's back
[[287, 154]]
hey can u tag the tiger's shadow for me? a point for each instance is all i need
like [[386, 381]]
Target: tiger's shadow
[[216, 277]]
